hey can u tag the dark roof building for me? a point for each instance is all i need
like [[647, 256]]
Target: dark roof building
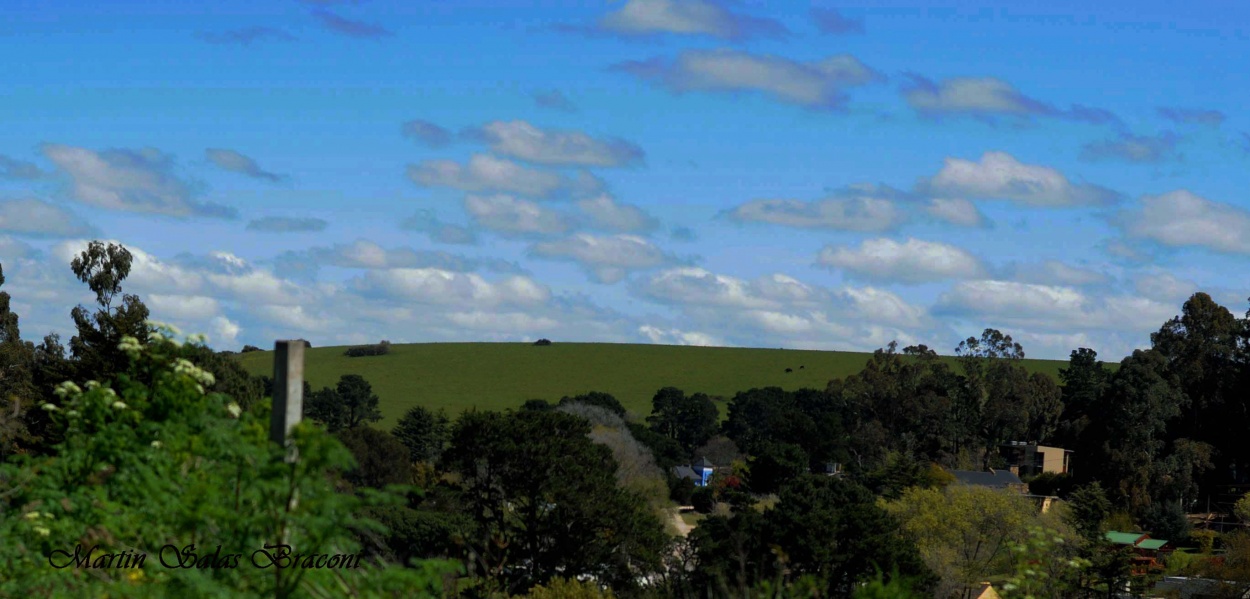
[[1000, 479]]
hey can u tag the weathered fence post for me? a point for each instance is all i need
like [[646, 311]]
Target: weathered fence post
[[288, 392]]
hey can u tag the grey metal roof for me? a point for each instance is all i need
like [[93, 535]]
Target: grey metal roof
[[997, 478]]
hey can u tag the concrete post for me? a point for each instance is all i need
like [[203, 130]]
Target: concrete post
[[288, 391]]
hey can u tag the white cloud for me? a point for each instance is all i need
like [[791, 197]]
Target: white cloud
[[816, 84], [224, 331], [913, 261], [1000, 176], [956, 211], [1052, 308], [523, 141], [1182, 219], [36, 217], [606, 213], [662, 336], [486, 173], [440, 287], [608, 258], [1054, 272], [235, 162], [181, 307], [988, 97], [1165, 287], [512, 215], [130, 180], [861, 213], [287, 224], [687, 17]]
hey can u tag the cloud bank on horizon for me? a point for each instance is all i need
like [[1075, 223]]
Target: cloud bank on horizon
[[654, 171]]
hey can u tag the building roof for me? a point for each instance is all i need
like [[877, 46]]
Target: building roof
[[994, 478], [702, 464], [687, 472], [1155, 544], [1124, 538]]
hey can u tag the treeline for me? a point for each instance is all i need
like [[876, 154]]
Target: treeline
[[576, 496]]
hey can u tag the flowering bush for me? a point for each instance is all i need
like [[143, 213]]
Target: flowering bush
[[188, 478]]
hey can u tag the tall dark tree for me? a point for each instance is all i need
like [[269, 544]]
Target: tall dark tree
[[546, 503], [94, 347], [380, 458], [18, 394], [688, 420], [1084, 382], [424, 432], [348, 404]]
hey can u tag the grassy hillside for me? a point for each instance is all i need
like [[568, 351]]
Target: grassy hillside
[[493, 376]]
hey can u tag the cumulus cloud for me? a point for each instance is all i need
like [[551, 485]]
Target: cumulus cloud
[[166, 308], [523, 141], [1054, 272], [511, 215], [555, 100], [999, 176], [1182, 219], [1133, 148], [1192, 116], [987, 97], [426, 133], [287, 224], [606, 213], [485, 173], [130, 180], [440, 287], [350, 28], [38, 218], [913, 261], [247, 36], [781, 309], [1050, 308], [608, 258], [424, 221], [818, 84], [956, 211], [368, 255], [670, 336], [14, 169], [233, 161], [1165, 287], [864, 212], [830, 21], [688, 17]]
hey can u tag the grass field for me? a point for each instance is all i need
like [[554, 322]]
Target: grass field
[[494, 376]]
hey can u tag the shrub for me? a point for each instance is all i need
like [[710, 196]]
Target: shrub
[[379, 349], [248, 348], [143, 464], [543, 342], [681, 490], [703, 500], [563, 588]]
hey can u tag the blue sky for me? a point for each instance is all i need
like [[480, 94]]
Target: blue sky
[[695, 172]]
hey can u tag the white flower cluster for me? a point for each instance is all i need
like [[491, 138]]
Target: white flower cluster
[[40, 530], [131, 346], [66, 390], [202, 377], [234, 410]]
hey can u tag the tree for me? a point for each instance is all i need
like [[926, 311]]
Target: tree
[[688, 420], [424, 432], [545, 502], [1088, 507], [596, 398], [348, 404], [18, 394], [776, 464], [380, 458], [94, 347]]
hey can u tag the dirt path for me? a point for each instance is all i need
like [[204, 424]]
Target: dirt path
[[682, 528]]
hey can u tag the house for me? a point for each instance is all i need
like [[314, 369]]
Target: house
[[997, 479], [700, 472], [1146, 551], [1028, 459], [984, 590]]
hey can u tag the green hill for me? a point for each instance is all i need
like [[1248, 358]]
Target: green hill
[[494, 376]]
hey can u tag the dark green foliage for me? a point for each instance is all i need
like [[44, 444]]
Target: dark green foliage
[[666, 451], [348, 405], [545, 502], [1051, 483], [542, 342], [539, 405], [822, 527], [808, 418], [377, 349], [415, 534], [703, 499], [688, 420], [596, 398], [1166, 521], [681, 490], [229, 378], [776, 464], [1088, 506], [249, 348], [381, 459], [424, 433]]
